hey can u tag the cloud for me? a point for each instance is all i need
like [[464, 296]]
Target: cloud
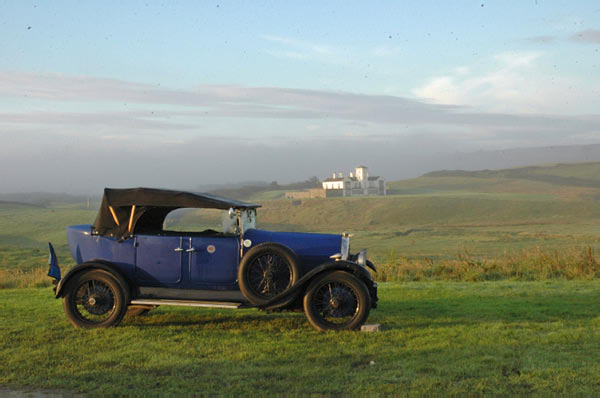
[[173, 110], [304, 50], [513, 60], [586, 36], [513, 84], [162, 134], [287, 54], [133, 120], [385, 51], [493, 89], [544, 39], [204, 101], [61, 87]]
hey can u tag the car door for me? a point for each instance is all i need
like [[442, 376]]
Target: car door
[[159, 259], [213, 260]]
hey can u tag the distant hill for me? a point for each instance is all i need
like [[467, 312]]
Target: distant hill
[[4, 204], [514, 157], [579, 180], [266, 191], [525, 195], [578, 175], [43, 199]]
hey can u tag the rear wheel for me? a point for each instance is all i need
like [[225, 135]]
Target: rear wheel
[[337, 301], [93, 299]]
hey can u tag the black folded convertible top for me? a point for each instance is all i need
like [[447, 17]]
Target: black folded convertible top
[[125, 210]]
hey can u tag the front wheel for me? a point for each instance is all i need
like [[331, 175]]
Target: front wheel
[[93, 299], [337, 301]]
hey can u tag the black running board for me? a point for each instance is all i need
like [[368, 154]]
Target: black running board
[[189, 303]]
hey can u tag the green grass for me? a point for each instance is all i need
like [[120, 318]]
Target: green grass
[[504, 336], [582, 171], [459, 338], [400, 212], [31, 227], [267, 195]]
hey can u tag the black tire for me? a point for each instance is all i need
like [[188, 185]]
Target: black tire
[[94, 299], [337, 301], [267, 270]]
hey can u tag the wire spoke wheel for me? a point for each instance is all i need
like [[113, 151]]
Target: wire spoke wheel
[[337, 301], [94, 299], [268, 275], [267, 270]]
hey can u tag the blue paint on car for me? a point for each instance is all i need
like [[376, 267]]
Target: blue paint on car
[[127, 258]]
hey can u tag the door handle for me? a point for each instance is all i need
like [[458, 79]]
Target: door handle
[[191, 249], [179, 249]]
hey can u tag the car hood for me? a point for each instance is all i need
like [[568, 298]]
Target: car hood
[[316, 248]]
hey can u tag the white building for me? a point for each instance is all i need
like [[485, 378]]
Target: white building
[[357, 183]]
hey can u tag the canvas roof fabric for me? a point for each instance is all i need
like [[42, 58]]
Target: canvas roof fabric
[[124, 211]]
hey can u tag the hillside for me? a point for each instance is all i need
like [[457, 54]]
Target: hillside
[[446, 213], [265, 191], [5, 204], [442, 215], [536, 195], [578, 175], [565, 181], [44, 199]]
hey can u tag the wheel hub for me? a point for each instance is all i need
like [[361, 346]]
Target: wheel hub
[[98, 300], [340, 302], [335, 303]]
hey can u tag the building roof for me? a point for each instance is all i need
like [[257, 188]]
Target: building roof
[[373, 178], [361, 167], [330, 179]]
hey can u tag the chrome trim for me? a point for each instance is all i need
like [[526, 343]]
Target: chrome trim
[[362, 258], [186, 303], [345, 249]]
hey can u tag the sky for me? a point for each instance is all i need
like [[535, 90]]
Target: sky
[[180, 94]]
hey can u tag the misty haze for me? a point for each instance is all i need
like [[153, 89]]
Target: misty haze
[[206, 96]]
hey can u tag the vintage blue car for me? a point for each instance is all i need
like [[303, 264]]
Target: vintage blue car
[[128, 262]]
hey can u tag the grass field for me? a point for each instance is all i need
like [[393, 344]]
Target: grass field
[[456, 338], [521, 315]]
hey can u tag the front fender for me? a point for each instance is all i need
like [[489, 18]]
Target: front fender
[[94, 264], [300, 286]]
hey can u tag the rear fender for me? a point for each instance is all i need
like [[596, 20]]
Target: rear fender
[[53, 267], [94, 264], [299, 287]]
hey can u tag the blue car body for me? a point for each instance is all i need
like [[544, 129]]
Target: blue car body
[[151, 260], [128, 259]]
